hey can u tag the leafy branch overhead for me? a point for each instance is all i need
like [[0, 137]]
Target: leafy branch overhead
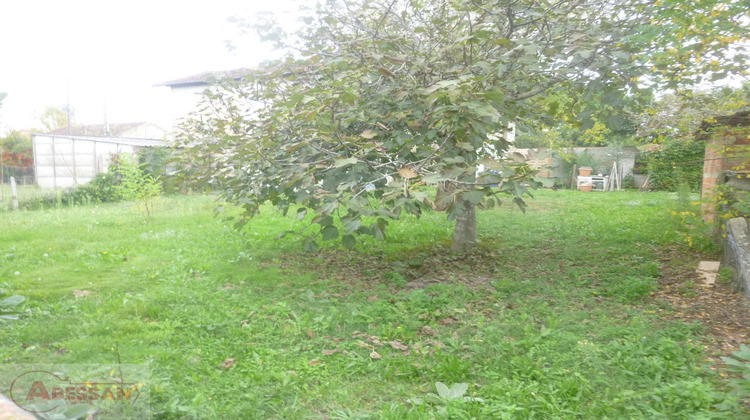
[[381, 99]]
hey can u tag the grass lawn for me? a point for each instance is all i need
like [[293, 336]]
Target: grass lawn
[[558, 320]]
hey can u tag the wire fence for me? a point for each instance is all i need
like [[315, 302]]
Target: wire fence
[[25, 185]]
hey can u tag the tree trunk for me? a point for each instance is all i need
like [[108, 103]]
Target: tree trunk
[[465, 230]]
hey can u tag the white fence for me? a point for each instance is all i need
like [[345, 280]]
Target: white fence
[[62, 161]]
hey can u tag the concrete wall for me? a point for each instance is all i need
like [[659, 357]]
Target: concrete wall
[[737, 251], [604, 157], [68, 161]]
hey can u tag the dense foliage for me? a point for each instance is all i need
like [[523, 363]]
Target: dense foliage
[[16, 156], [676, 163], [384, 98]]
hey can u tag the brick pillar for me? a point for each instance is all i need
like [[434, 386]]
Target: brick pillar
[[712, 170], [724, 151]]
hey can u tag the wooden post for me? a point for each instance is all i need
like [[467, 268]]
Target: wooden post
[[14, 192], [573, 183]]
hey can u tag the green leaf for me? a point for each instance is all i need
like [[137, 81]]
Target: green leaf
[[349, 241], [330, 232], [343, 162], [352, 225], [442, 390], [311, 246], [458, 390], [11, 302], [323, 220], [473, 197], [520, 203]]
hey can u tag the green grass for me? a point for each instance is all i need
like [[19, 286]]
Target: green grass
[[25, 193], [566, 330]]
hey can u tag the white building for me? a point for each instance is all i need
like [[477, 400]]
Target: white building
[[186, 93], [63, 161]]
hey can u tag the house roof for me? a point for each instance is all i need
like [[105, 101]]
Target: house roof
[[98, 130], [206, 78], [113, 140]]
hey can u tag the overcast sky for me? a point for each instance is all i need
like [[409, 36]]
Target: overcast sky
[[112, 52]]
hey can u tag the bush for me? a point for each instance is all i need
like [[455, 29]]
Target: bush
[[101, 189], [138, 186], [678, 162], [151, 164]]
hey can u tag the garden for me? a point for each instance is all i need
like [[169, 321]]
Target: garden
[[572, 310]]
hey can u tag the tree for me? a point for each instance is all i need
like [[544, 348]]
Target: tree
[[382, 98], [16, 155], [676, 116], [53, 118]]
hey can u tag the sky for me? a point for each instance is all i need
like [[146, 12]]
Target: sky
[[106, 56]]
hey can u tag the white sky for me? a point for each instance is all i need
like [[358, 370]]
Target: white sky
[[113, 52]]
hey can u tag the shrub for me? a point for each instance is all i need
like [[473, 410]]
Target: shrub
[[101, 189], [676, 163], [137, 185]]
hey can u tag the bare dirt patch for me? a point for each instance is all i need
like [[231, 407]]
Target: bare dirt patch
[[722, 309], [416, 270]]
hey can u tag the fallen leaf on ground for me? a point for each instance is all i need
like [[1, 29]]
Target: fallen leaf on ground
[[330, 352], [375, 355], [426, 330], [313, 362], [227, 363], [81, 293], [374, 340], [398, 345], [434, 343], [362, 344]]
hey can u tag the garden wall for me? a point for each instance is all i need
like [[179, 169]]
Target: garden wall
[[737, 251], [559, 168]]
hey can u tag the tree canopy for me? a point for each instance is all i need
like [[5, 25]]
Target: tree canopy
[[383, 98], [53, 118]]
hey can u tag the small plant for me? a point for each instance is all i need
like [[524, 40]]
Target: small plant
[[725, 275], [8, 307], [446, 395], [137, 186], [740, 364]]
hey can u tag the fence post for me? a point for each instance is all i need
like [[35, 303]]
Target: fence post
[[14, 192]]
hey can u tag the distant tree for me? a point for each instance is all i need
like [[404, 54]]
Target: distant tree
[[676, 116], [16, 155], [53, 118]]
